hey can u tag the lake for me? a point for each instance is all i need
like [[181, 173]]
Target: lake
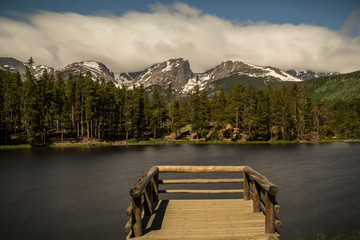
[[83, 193]]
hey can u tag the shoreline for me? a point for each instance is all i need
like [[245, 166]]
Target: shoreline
[[153, 142]]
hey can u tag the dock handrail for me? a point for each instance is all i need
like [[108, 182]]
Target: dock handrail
[[145, 193]]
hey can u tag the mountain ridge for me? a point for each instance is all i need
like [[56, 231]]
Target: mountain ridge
[[176, 72]]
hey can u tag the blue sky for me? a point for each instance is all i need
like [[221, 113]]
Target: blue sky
[[134, 34], [330, 14]]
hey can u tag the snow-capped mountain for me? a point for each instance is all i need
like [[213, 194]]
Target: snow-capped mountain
[[179, 73], [14, 65], [174, 71], [307, 74], [98, 70]]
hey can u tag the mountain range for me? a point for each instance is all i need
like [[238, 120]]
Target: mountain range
[[176, 72]]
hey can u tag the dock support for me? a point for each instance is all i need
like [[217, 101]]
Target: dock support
[[256, 197], [269, 213], [246, 186], [136, 217]]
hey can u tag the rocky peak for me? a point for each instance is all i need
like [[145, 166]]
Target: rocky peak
[[97, 69], [174, 71]]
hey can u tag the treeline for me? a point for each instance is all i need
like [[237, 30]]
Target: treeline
[[41, 110]]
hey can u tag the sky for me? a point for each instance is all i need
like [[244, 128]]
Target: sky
[[132, 35]]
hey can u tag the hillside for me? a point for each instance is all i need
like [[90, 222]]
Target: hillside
[[334, 88]]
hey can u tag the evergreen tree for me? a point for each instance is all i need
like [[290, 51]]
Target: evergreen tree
[[195, 105], [176, 117]]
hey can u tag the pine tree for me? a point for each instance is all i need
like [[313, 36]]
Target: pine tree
[[195, 105], [176, 117]]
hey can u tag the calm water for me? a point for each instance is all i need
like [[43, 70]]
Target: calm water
[[83, 193]]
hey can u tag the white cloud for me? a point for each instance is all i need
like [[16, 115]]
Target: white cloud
[[137, 40]]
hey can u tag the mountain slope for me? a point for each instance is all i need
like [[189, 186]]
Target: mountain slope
[[307, 74], [98, 70], [15, 65], [335, 88], [179, 74], [174, 71]]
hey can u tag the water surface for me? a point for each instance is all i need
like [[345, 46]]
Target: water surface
[[83, 193]]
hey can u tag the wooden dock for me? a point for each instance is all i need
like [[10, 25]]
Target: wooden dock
[[252, 217]]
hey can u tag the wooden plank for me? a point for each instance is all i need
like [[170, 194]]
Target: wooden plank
[[185, 181], [200, 169], [201, 191], [207, 219]]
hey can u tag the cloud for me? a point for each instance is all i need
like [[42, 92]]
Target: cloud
[[137, 40]]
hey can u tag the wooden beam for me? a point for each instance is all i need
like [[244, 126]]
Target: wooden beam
[[148, 202], [263, 181], [155, 188], [129, 209], [269, 213], [278, 223], [201, 191], [139, 187], [246, 195], [128, 226], [256, 198], [186, 181], [200, 169], [277, 208], [136, 217]]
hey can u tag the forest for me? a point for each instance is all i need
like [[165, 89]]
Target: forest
[[39, 111]]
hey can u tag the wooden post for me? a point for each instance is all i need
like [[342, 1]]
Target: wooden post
[[155, 183], [269, 213], [136, 217], [246, 186], [256, 197], [148, 200]]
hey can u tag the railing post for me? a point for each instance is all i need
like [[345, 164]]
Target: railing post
[[136, 217], [155, 183], [246, 186], [256, 197], [148, 200], [269, 213]]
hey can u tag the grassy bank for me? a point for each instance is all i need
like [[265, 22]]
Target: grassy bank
[[133, 142]]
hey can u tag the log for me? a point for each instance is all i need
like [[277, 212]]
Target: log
[[278, 223], [186, 181], [136, 217], [263, 181], [269, 213], [129, 209], [139, 187], [155, 188], [277, 208], [246, 187], [148, 202], [201, 191], [200, 169], [128, 226], [256, 198]]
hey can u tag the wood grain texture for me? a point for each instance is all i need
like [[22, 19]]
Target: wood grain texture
[[200, 169], [203, 180], [206, 219]]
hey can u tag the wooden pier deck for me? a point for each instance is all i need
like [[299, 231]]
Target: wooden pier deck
[[248, 218]]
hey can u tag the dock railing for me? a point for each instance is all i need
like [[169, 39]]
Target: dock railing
[[145, 193]]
